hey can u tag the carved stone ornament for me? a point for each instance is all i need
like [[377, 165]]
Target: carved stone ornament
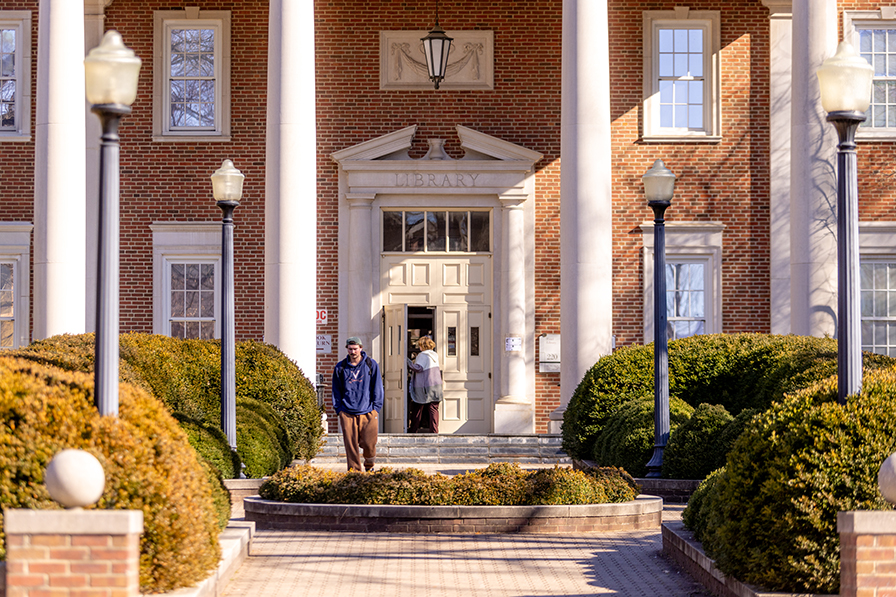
[[471, 63]]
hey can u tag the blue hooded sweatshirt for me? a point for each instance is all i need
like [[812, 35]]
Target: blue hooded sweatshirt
[[357, 389]]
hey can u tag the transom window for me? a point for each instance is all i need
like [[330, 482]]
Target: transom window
[[440, 231], [192, 307], [877, 283], [15, 67], [685, 299], [7, 306]]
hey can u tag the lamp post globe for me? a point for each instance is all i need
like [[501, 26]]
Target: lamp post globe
[[845, 81], [110, 75], [659, 186], [227, 188]]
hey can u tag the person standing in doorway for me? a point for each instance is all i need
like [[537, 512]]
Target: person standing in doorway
[[357, 400], [426, 387]]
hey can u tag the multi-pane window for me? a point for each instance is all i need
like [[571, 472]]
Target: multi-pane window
[[878, 47], [7, 306], [192, 295], [681, 74], [15, 30], [685, 299], [878, 297], [437, 231]]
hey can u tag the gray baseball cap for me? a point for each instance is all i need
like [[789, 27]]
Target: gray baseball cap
[[353, 340]]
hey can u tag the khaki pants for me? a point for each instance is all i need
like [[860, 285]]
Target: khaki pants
[[359, 431]]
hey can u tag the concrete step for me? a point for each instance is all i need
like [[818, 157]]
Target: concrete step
[[427, 448]]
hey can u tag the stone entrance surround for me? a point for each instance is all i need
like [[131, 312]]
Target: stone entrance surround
[[645, 512]]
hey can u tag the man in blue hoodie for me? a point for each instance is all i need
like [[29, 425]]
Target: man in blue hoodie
[[358, 399]]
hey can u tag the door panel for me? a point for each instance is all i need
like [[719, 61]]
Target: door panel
[[394, 368]]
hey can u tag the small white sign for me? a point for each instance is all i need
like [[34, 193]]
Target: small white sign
[[324, 344], [321, 316], [513, 344], [549, 353]]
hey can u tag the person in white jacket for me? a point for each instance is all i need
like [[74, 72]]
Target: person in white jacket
[[426, 386]]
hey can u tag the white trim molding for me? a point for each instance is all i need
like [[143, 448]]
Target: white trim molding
[[20, 22], [15, 248]]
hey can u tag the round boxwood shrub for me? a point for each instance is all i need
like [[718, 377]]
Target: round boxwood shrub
[[738, 371], [628, 437], [696, 514], [725, 438], [260, 437], [148, 464], [211, 443], [691, 451], [772, 512], [500, 484]]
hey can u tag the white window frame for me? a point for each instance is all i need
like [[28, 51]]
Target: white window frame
[[686, 242], [20, 20], [877, 243], [15, 248], [853, 20], [163, 22], [178, 242], [682, 17]]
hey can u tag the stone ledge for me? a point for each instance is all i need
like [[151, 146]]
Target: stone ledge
[[645, 512], [73, 522], [867, 522], [680, 545]]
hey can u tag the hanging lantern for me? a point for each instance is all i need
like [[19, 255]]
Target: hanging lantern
[[436, 46]]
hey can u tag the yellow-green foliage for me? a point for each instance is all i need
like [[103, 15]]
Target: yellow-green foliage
[[185, 376], [498, 484], [692, 451], [770, 517], [211, 443], [148, 463], [737, 371]]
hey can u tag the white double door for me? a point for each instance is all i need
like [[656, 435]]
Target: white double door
[[457, 291]]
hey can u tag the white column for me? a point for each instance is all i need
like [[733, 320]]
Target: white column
[[359, 280], [780, 71], [291, 184], [59, 180], [94, 21], [586, 228], [813, 199], [514, 409]]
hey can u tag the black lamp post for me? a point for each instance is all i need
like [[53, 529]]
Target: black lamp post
[[659, 185], [111, 72], [845, 84], [436, 46], [227, 186]]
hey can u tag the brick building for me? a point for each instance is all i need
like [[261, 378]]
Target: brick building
[[398, 209]]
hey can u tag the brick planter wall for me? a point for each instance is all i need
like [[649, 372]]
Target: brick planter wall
[[73, 552], [643, 513], [867, 553]]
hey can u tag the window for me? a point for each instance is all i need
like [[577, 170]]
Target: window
[[693, 278], [15, 238], [681, 75], [873, 34], [15, 75], [186, 279], [877, 286], [192, 79], [436, 231]]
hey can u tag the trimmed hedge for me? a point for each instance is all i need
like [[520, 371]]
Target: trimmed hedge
[[693, 449], [627, 439], [185, 376], [770, 515], [499, 484], [738, 371], [147, 460]]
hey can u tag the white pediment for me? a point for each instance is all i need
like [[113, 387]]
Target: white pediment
[[477, 146]]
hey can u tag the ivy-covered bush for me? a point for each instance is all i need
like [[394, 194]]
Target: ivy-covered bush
[[499, 484], [185, 376], [770, 515], [692, 449], [627, 439], [147, 460], [737, 371]]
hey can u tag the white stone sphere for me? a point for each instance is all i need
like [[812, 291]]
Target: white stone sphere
[[886, 479], [75, 478]]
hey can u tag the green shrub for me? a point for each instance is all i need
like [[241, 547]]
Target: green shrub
[[498, 484], [220, 493], [260, 438], [211, 443], [696, 514], [691, 451], [725, 438], [772, 512], [185, 376], [147, 460], [627, 439], [738, 371]]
